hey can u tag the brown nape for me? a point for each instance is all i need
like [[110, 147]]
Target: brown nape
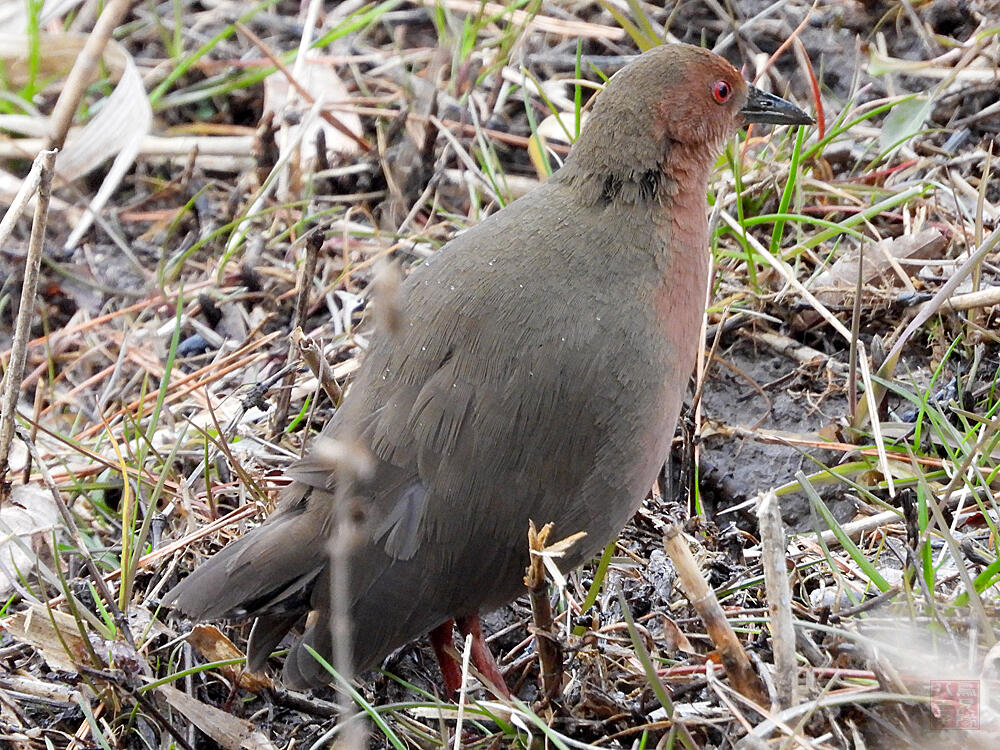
[[537, 374], [635, 148], [665, 97]]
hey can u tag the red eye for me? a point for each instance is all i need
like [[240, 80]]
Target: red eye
[[721, 91]]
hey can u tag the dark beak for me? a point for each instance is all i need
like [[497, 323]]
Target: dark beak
[[764, 107]]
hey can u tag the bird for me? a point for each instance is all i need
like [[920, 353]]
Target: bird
[[536, 373]]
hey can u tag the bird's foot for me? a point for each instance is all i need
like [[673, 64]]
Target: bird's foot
[[480, 655], [443, 642]]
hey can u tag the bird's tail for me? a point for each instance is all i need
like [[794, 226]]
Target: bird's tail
[[269, 574]]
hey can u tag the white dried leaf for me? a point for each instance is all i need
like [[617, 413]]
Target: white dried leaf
[[560, 127], [26, 520], [841, 278], [117, 131], [320, 80], [54, 634], [230, 732], [14, 15]]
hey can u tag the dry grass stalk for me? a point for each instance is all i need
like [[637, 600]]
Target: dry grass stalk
[[350, 462], [25, 313], [84, 70], [804, 355], [938, 301], [387, 298], [228, 153], [303, 283], [547, 643], [876, 425], [462, 694], [24, 193], [702, 598], [536, 21], [972, 300], [779, 600], [312, 355]]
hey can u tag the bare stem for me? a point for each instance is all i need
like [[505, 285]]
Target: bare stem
[[19, 347], [307, 272], [702, 598], [83, 70], [547, 645], [779, 600]]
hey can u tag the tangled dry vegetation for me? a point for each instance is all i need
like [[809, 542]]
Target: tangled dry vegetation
[[236, 172]]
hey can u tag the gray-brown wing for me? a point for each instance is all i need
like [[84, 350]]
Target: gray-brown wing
[[478, 421]]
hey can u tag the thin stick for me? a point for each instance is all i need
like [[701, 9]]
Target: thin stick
[[466, 654], [870, 399], [779, 599], [312, 355], [83, 71], [702, 598], [547, 644], [852, 357], [304, 282], [20, 202], [19, 347], [350, 462]]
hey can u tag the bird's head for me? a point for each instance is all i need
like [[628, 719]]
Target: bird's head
[[675, 97]]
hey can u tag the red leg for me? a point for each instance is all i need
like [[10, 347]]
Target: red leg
[[481, 655], [443, 642]]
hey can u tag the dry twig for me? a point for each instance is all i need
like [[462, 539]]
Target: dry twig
[[702, 598], [547, 643], [26, 312], [779, 600]]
